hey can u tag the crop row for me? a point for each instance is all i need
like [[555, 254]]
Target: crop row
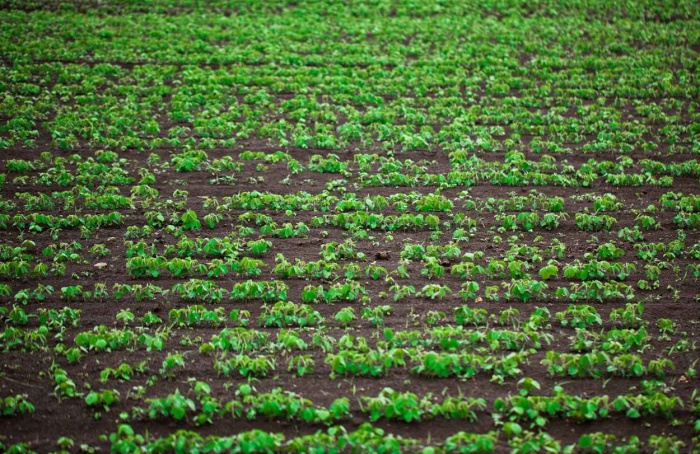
[[278, 404], [368, 438], [516, 170], [389, 404], [628, 324]]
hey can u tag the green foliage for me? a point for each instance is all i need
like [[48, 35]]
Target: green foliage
[[245, 366], [288, 313], [16, 405], [410, 165], [174, 405], [102, 399]]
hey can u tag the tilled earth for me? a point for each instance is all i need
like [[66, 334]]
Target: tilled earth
[[390, 71]]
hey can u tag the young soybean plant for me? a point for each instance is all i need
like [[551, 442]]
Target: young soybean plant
[[16, 405]]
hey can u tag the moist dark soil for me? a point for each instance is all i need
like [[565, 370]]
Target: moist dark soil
[[27, 372], [671, 304]]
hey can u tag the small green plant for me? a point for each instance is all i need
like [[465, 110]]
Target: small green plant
[[345, 316], [174, 405], [172, 363], [301, 365], [102, 399], [16, 405]]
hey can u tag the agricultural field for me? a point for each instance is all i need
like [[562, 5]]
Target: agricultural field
[[387, 226]]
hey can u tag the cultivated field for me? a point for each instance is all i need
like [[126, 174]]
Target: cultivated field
[[319, 226]]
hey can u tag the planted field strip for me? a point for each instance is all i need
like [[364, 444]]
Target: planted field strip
[[317, 227]]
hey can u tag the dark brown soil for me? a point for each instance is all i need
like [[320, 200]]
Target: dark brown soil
[[29, 371]]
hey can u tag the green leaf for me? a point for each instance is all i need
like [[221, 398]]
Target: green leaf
[[178, 412], [92, 398], [512, 429], [585, 441], [549, 272]]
